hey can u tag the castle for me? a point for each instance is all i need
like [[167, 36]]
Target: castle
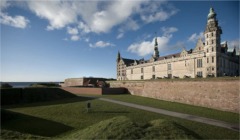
[[209, 58]]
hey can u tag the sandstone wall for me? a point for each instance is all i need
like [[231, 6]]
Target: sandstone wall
[[221, 95]]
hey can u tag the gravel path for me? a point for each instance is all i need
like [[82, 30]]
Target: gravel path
[[218, 123]]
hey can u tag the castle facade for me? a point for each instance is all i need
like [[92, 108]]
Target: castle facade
[[209, 58]]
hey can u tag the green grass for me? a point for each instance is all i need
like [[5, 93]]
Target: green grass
[[123, 128], [178, 107], [13, 135], [57, 119]]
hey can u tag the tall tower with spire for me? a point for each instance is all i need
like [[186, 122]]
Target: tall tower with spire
[[212, 42], [118, 56], [156, 52]]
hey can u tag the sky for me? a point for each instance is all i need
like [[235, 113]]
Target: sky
[[58, 39]]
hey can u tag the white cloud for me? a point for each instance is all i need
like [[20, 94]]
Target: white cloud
[[75, 38], [129, 24], [101, 44], [154, 11], [59, 13], [116, 12], [72, 31], [120, 35], [194, 37], [146, 47], [99, 16], [84, 27], [159, 16], [16, 21], [168, 30]]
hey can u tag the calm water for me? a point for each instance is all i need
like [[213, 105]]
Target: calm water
[[24, 84]]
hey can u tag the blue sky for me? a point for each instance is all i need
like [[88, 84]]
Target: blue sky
[[55, 40]]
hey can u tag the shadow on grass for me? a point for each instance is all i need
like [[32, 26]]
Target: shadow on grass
[[32, 125], [30, 97], [46, 103], [188, 131]]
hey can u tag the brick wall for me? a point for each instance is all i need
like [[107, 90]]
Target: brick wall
[[94, 91], [82, 90], [221, 95]]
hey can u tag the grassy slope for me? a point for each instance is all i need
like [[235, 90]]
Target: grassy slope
[[13, 135], [123, 128], [72, 114], [178, 107]]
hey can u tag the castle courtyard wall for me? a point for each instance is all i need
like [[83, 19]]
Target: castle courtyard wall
[[220, 95]]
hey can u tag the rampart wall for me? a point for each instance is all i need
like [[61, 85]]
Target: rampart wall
[[94, 91], [221, 95]]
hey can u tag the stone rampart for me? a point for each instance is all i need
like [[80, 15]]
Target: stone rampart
[[221, 95], [94, 91]]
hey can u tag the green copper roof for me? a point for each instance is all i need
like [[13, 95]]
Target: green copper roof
[[211, 14]]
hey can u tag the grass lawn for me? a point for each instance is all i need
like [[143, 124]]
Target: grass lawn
[[178, 107], [60, 119]]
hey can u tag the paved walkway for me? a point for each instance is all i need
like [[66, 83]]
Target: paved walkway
[[218, 123]]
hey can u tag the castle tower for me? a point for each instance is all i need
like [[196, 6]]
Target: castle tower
[[156, 52], [212, 43]]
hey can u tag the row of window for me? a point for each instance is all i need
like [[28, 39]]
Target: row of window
[[212, 50], [217, 41], [153, 69], [212, 42], [207, 35], [153, 77], [199, 74], [212, 59], [169, 66]]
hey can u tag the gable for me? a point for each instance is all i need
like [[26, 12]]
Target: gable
[[183, 53], [199, 46]]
